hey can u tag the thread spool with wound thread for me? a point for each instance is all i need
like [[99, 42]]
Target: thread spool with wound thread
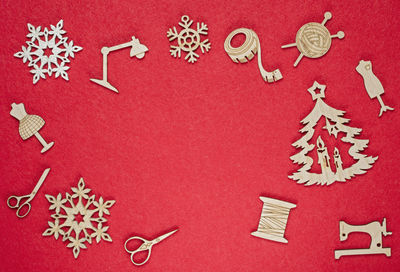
[[274, 217]]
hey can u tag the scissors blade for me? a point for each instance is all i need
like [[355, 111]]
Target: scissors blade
[[162, 237], [40, 182]]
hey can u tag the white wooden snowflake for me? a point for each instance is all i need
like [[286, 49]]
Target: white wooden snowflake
[[78, 221], [188, 39], [53, 42]]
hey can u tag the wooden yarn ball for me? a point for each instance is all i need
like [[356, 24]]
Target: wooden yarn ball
[[247, 50], [313, 40]]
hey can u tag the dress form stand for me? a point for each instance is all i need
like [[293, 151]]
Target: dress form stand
[[29, 125]]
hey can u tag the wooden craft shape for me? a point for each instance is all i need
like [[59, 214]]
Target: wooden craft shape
[[374, 229], [335, 123], [138, 50], [188, 39], [372, 84], [78, 218], [313, 40], [51, 40], [145, 246], [247, 50], [18, 205], [29, 125], [273, 221]]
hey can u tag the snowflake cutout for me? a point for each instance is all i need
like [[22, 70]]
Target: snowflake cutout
[[188, 39], [76, 221], [48, 40]]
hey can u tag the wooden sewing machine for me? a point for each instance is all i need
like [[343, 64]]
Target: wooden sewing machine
[[374, 229]]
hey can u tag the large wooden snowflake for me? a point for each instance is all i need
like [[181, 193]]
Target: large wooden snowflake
[[189, 40], [53, 42], [78, 218]]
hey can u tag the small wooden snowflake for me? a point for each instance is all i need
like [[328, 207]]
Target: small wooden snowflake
[[78, 221]]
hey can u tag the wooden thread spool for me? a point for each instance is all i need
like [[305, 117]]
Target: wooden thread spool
[[273, 219], [247, 50]]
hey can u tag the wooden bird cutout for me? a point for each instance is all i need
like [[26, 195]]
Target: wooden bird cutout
[[372, 84]]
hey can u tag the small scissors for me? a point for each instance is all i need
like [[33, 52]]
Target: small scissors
[[30, 196], [146, 246]]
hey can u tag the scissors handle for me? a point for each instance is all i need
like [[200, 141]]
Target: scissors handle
[[146, 246], [17, 205]]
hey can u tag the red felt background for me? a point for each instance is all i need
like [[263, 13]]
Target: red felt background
[[194, 146]]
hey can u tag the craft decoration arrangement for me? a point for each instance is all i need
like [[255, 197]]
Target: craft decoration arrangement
[[247, 50], [145, 246], [188, 39], [46, 40], [374, 229], [72, 217], [372, 84], [29, 125], [334, 124], [79, 218], [273, 221], [20, 206], [313, 40], [138, 50]]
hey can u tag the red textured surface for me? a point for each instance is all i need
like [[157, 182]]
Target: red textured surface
[[194, 146]]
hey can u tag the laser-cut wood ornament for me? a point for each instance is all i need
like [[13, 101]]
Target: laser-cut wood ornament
[[188, 39], [334, 123], [375, 229], [247, 50], [273, 220], [41, 41], [66, 218], [313, 40], [138, 50], [372, 84], [29, 125]]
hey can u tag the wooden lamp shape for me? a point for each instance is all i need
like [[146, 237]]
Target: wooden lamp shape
[[29, 125], [138, 50], [313, 40]]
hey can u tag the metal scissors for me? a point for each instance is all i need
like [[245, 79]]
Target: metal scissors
[[147, 245], [30, 196]]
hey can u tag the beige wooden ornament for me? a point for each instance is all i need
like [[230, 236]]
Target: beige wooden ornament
[[138, 50], [29, 125], [372, 84], [20, 206], [313, 40], [146, 245], [273, 221], [374, 229], [188, 39], [334, 124], [78, 218], [247, 50]]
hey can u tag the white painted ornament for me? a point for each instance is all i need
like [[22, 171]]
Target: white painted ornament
[[188, 39], [79, 218], [138, 50], [313, 40], [375, 230], [247, 50], [29, 125], [334, 123], [48, 40], [273, 221], [372, 84], [27, 203]]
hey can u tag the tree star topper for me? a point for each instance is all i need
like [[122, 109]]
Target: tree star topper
[[48, 40], [334, 123], [76, 221], [189, 40]]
